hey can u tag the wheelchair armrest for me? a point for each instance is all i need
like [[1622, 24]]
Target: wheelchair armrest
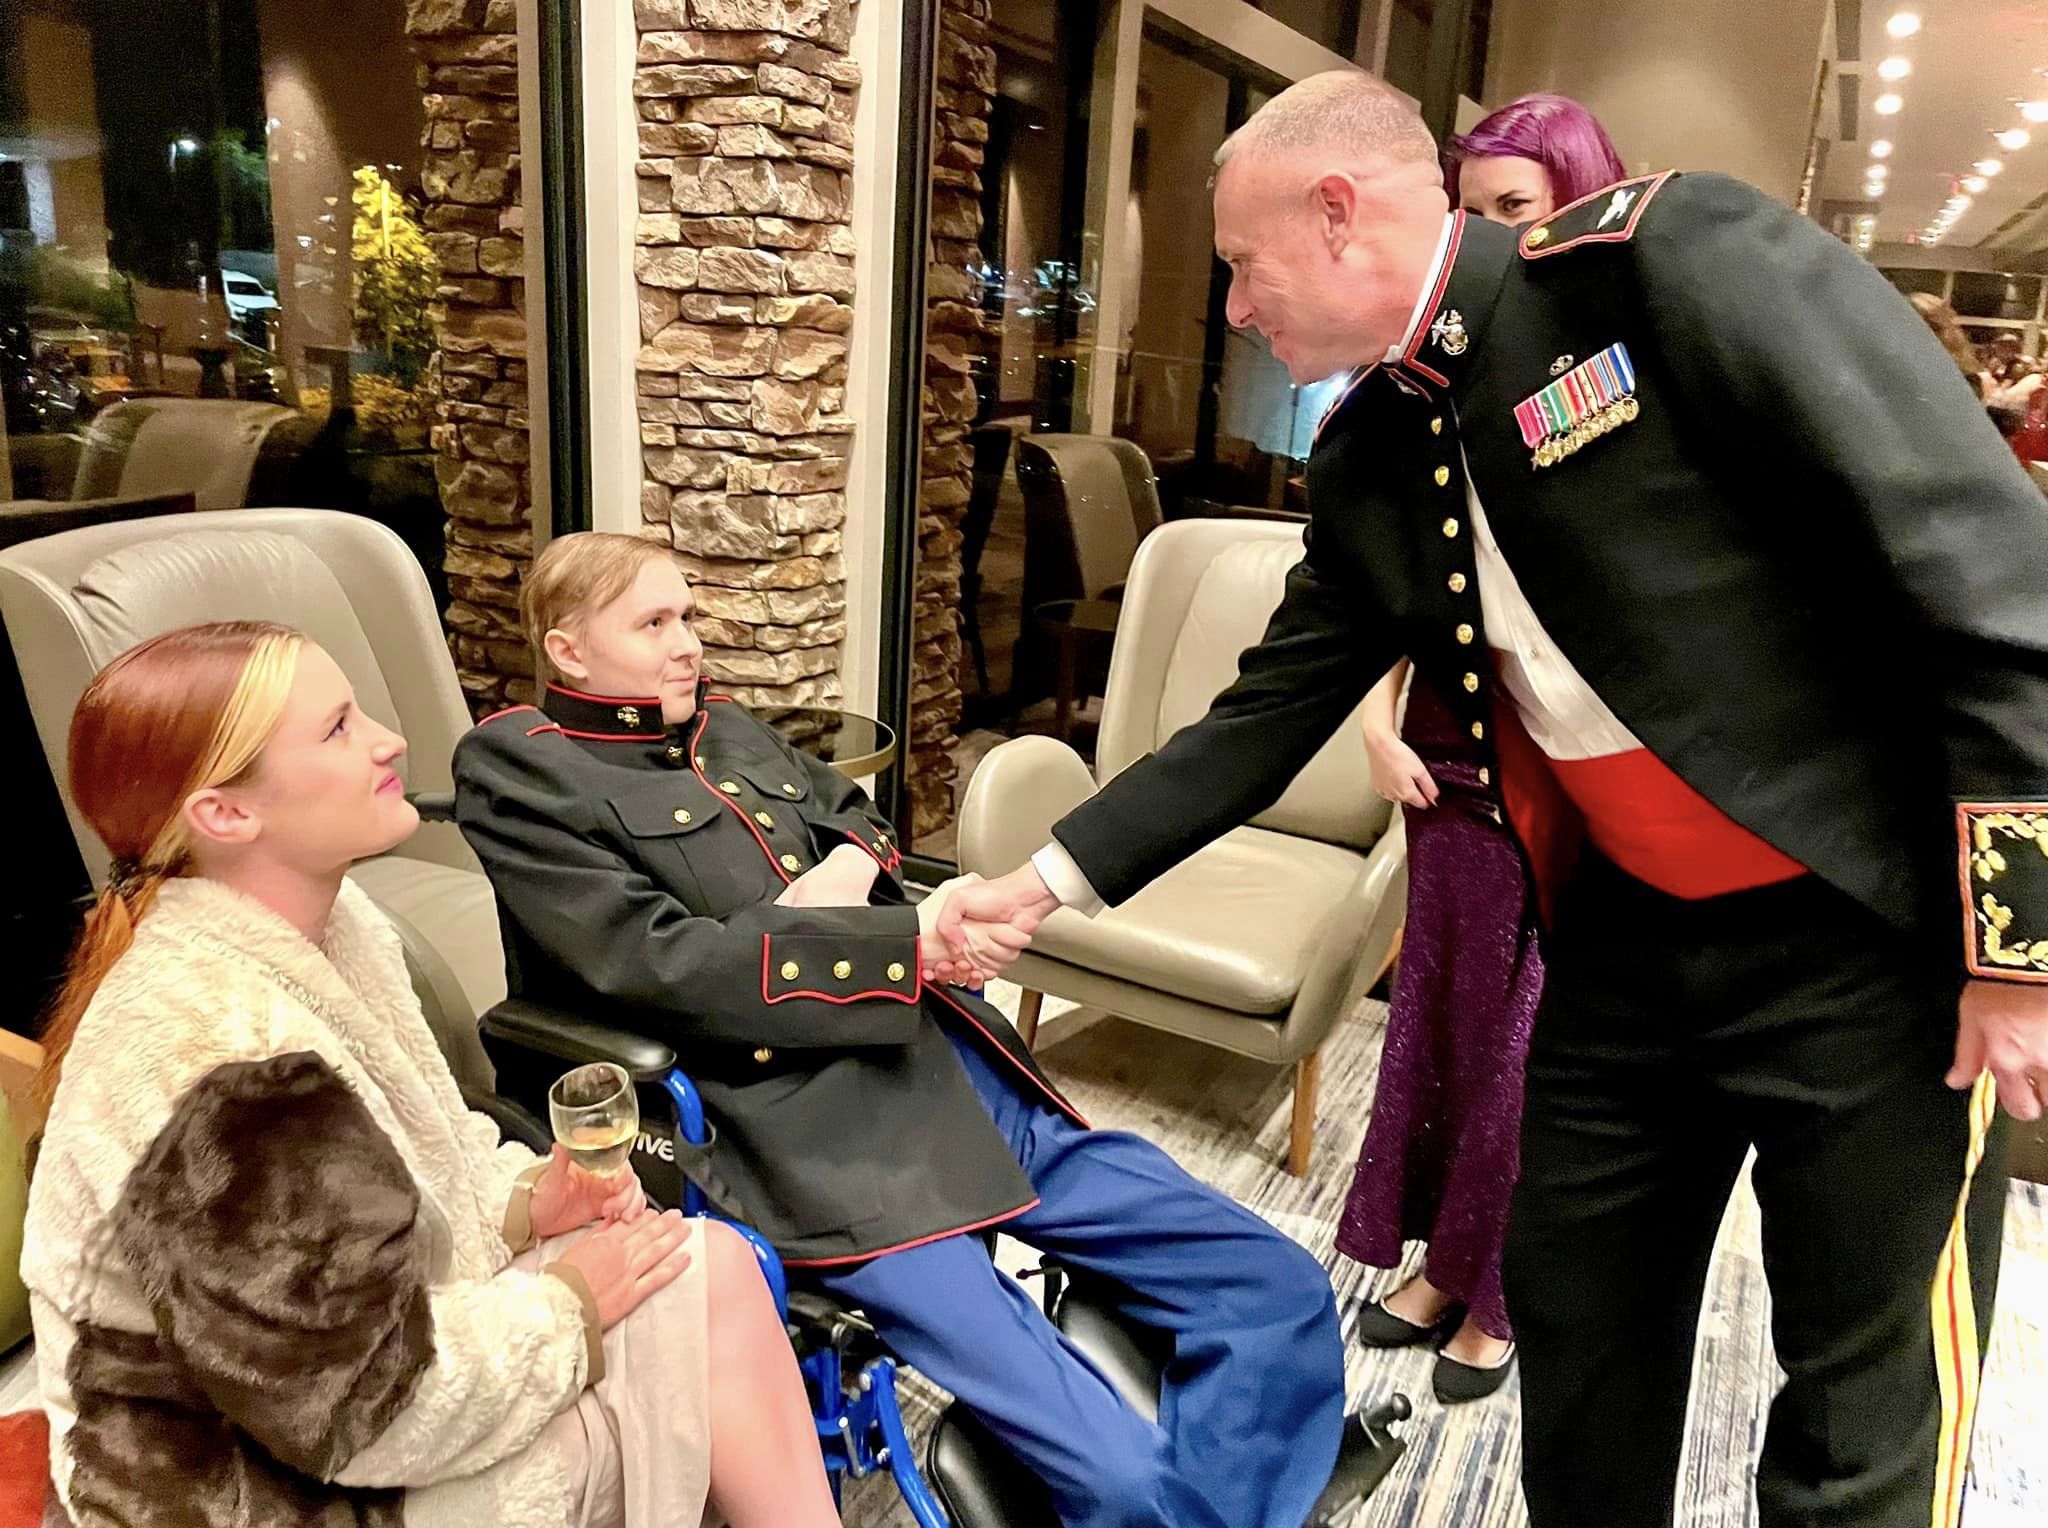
[[433, 806], [575, 1039]]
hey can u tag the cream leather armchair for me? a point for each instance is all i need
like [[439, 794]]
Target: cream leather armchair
[[74, 601], [1260, 942]]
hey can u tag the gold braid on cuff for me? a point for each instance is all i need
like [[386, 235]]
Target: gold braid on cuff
[[2004, 869]]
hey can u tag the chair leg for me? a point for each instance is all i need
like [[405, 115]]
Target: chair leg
[[1027, 1017], [1393, 954], [1301, 1138]]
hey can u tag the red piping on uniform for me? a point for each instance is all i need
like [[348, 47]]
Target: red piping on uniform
[[1619, 235], [895, 855], [1443, 283], [767, 960], [1058, 1102], [543, 727], [862, 1257], [506, 712], [704, 717], [615, 737]]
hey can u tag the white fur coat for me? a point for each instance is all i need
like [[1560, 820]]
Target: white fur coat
[[217, 1235]]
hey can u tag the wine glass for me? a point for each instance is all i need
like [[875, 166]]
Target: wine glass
[[596, 1115]]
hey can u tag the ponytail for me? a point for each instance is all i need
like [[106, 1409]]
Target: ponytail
[[109, 931]]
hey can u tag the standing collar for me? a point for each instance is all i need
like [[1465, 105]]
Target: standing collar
[[617, 718], [1430, 284], [1451, 327], [1450, 313]]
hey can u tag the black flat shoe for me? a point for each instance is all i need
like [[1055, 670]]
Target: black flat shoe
[[1378, 1327], [1456, 1383]]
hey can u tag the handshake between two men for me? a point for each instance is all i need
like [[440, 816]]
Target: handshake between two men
[[969, 929]]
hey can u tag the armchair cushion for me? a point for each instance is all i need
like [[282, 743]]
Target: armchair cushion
[[1236, 926], [1233, 599]]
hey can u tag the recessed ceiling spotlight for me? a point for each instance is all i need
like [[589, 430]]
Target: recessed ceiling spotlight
[[1975, 184], [1894, 68], [1988, 166], [1888, 105], [2014, 138], [1904, 24], [2034, 111], [1881, 149]]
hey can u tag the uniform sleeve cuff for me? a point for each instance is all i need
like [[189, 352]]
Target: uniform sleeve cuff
[[835, 969], [593, 1329], [1064, 879], [2002, 849]]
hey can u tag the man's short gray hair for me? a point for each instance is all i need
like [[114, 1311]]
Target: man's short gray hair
[[1345, 109]]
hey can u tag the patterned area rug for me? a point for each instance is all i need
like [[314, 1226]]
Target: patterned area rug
[[1225, 1119]]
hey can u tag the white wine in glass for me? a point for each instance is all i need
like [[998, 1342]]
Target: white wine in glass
[[596, 1115]]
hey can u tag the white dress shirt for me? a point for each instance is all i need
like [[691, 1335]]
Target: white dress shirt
[[1562, 714]]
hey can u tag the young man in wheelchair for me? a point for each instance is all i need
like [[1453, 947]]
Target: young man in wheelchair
[[667, 864]]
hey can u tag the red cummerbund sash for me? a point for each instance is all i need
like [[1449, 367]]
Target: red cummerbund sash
[[1633, 809]]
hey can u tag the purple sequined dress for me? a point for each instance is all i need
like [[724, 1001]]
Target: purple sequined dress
[[1443, 1149]]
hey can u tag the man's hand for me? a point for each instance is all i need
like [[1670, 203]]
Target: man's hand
[[989, 923], [941, 962], [2003, 1029], [843, 878], [1398, 773]]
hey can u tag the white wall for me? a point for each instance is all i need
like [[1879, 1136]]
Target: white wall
[[1689, 84], [878, 49], [611, 151]]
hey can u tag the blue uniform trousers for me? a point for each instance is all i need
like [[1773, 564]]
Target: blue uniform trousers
[[1254, 1396]]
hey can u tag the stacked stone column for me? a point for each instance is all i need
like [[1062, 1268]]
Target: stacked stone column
[[745, 271]]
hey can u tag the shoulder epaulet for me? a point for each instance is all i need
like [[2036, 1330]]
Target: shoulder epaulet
[[1608, 216]]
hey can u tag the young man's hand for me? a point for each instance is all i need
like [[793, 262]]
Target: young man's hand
[[843, 878]]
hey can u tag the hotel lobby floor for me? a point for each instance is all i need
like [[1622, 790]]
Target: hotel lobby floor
[[1226, 1120]]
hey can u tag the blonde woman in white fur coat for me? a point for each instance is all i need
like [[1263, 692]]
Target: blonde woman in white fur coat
[[280, 1274]]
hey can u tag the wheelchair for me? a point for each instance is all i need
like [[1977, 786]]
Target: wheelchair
[[968, 1478]]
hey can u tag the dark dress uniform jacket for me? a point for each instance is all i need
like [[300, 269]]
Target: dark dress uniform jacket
[[1809, 576], [636, 870]]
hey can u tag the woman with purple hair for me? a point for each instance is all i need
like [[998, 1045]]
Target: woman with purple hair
[[1443, 1149]]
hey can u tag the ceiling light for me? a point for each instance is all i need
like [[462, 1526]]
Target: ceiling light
[[1905, 24], [1881, 149], [1887, 105], [2034, 111], [2014, 138], [1975, 184], [1988, 166], [1894, 68], [1878, 171]]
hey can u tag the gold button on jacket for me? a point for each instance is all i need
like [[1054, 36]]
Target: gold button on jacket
[[790, 971], [842, 969]]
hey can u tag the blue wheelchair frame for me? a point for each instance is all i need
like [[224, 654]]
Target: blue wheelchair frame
[[860, 1424]]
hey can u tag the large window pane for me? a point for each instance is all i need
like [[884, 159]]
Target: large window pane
[[268, 252], [1082, 381]]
